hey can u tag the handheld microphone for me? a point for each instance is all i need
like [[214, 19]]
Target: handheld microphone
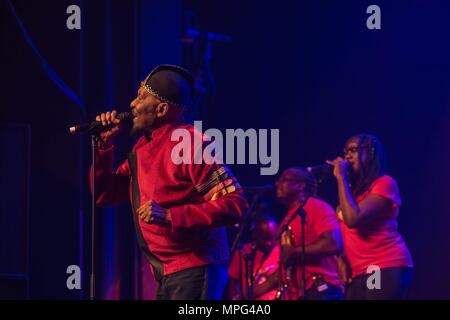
[[321, 171], [96, 127]]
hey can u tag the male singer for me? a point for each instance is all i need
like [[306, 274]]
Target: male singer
[[180, 210]]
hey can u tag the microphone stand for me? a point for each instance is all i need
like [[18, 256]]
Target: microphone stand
[[249, 266], [302, 214], [94, 145], [251, 212]]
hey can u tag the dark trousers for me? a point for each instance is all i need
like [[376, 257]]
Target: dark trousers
[[332, 293], [395, 283], [199, 283]]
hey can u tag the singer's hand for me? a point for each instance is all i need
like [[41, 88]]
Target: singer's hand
[[106, 119], [151, 212], [341, 167]]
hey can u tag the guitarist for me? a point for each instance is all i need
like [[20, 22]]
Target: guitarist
[[294, 188]]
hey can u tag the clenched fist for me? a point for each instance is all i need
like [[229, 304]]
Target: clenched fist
[[107, 119]]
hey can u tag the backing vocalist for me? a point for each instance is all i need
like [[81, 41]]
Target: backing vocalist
[[369, 203]]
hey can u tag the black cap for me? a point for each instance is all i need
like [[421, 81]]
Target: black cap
[[170, 83]]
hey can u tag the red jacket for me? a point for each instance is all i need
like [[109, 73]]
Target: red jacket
[[202, 198]]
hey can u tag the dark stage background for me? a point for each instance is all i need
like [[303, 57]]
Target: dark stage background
[[309, 68]]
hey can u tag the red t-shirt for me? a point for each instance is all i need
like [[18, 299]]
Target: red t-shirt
[[261, 268], [320, 218], [377, 242]]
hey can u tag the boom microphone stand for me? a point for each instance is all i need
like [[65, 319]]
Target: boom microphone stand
[[249, 259], [94, 145], [302, 214]]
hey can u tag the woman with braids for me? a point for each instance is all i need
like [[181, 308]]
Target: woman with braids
[[369, 206]]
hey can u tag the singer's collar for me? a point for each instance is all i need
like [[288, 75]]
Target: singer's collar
[[161, 131]]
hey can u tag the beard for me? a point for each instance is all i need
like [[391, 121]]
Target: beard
[[286, 199], [134, 131], [146, 123]]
